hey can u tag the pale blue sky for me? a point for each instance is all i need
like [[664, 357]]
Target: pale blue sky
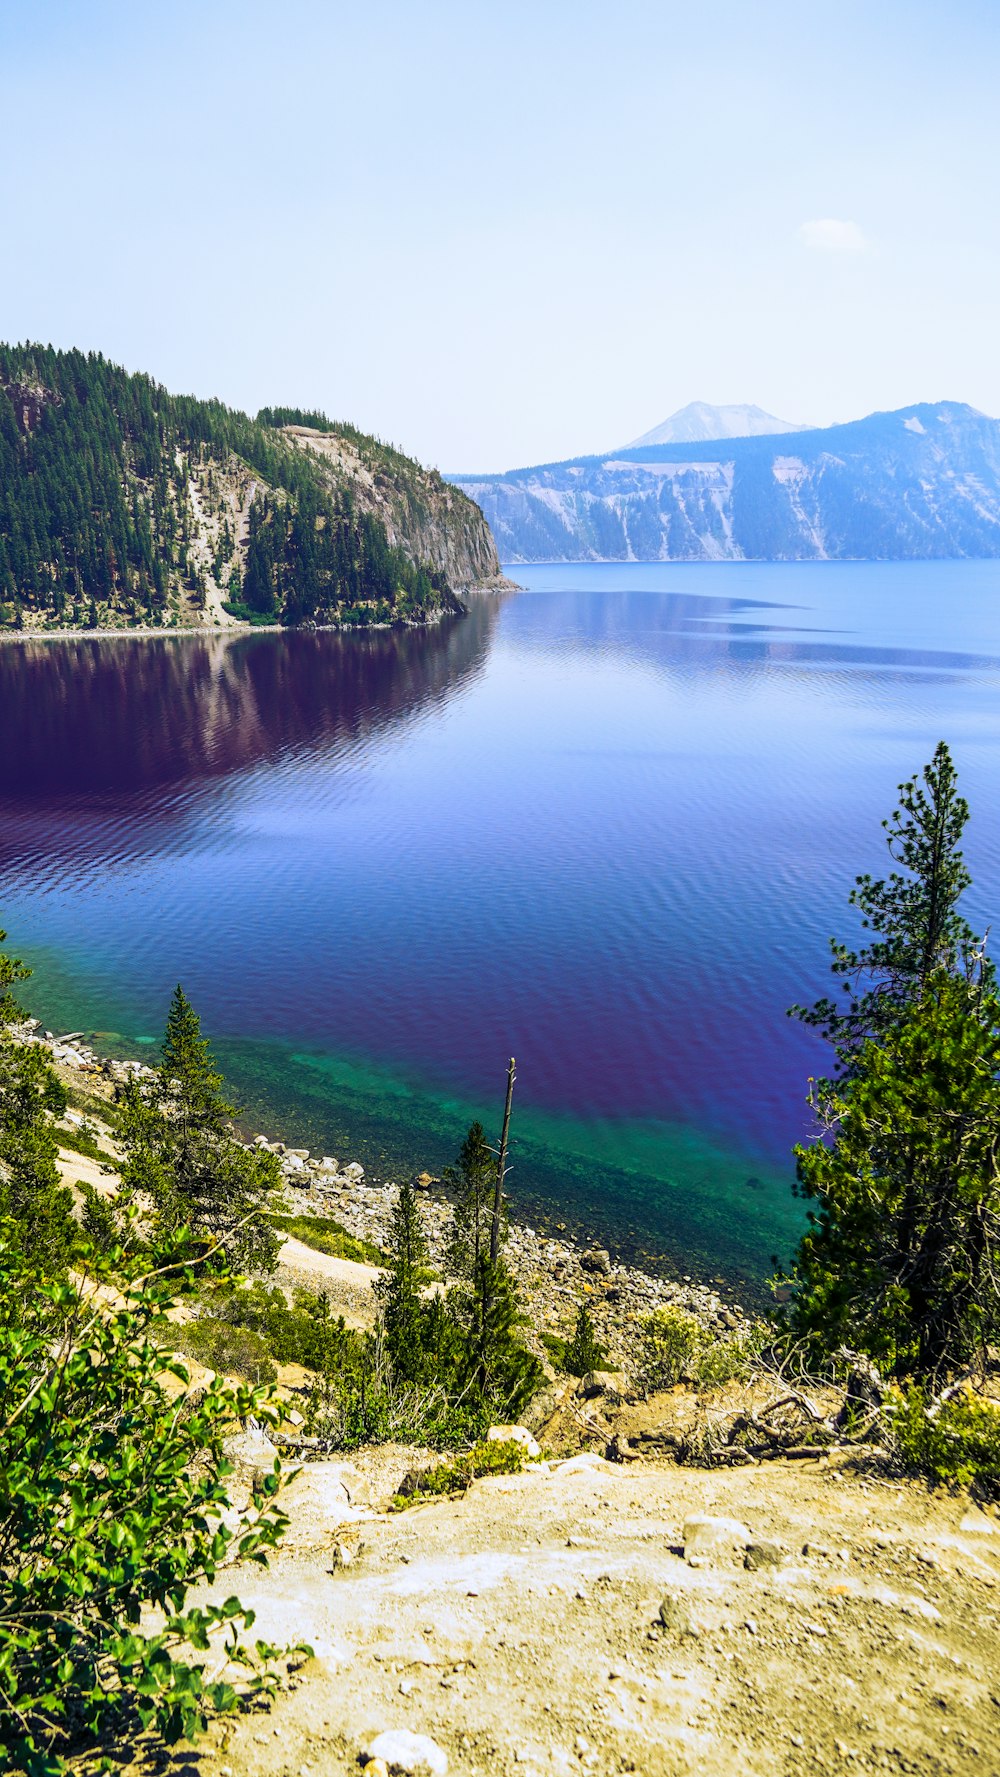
[[499, 234]]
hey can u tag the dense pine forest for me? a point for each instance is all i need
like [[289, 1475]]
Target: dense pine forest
[[121, 504]]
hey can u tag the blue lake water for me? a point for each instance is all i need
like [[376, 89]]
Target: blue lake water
[[606, 825]]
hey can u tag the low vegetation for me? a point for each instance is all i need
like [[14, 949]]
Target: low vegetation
[[491, 1456], [111, 1502]]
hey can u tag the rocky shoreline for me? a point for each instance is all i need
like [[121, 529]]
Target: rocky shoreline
[[557, 1271]]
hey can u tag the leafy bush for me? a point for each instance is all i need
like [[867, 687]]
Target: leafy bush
[[669, 1343], [957, 1442], [365, 1405], [673, 1345], [233, 1350], [111, 1502], [328, 1236], [724, 1360], [305, 1333], [491, 1456]]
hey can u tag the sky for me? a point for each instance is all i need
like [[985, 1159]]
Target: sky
[[500, 234]]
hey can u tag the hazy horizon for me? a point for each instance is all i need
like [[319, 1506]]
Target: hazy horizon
[[497, 239]]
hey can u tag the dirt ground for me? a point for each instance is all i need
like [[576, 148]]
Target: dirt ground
[[519, 1626]]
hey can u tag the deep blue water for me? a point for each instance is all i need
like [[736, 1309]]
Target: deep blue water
[[606, 825]]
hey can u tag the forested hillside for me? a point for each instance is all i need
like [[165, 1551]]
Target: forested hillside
[[121, 504]]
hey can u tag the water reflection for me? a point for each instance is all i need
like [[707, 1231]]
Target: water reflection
[[117, 715]]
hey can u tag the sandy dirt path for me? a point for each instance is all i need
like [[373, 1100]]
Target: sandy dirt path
[[519, 1627]]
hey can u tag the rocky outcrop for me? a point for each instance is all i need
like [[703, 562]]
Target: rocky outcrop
[[431, 520]]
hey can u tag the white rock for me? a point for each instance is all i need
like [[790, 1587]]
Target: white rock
[[252, 1447], [354, 1171], [412, 1753], [515, 1434], [718, 1538]]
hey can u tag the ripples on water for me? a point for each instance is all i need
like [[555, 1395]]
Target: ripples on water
[[606, 824]]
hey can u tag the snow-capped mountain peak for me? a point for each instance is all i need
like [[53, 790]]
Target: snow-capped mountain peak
[[699, 421]]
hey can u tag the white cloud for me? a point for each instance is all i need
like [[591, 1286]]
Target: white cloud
[[828, 235]]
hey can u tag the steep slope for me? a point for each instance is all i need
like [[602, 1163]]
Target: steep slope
[[427, 517], [920, 482], [699, 421], [122, 505]]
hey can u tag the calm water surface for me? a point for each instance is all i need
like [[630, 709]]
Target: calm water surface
[[606, 825]]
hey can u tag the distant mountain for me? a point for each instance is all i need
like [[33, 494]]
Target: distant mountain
[[920, 482], [121, 504], [698, 422]]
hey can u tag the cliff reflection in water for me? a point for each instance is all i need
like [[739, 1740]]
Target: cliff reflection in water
[[95, 717]]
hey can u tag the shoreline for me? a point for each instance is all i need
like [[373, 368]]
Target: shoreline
[[557, 1269], [150, 632]]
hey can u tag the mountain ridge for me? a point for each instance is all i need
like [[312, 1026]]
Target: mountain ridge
[[911, 483]]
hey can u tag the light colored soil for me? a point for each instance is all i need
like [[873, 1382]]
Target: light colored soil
[[518, 1627], [347, 1284], [77, 1169]]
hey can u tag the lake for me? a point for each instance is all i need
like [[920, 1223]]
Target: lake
[[606, 825]]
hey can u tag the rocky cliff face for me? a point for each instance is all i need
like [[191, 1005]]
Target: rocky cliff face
[[921, 482], [433, 521]]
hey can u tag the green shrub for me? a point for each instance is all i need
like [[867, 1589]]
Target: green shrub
[[304, 1333], [725, 1360], [222, 1346], [674, 1345], [111, 1502], [491, 1456], [669, 1343], [957, 1443]]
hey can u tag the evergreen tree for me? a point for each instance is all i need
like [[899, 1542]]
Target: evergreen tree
[[484, 1306], [915, 917], [583, 1353], [471, 1183], [403, 1309], [900, 1259], [181, 1153]]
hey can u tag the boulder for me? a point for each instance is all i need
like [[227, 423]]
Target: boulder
[[355, 1171], [715, 1539], [250, 1448], [598, 1382], [676, 1615], [599, 1260], [400, 1750], [764, 1554], [547, 1403]]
